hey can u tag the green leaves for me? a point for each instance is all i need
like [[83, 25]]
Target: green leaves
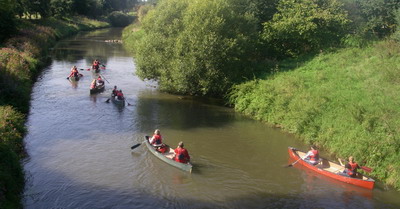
[[301, 26], [196, 47]]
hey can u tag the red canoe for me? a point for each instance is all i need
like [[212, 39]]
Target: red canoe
[[331, 169]]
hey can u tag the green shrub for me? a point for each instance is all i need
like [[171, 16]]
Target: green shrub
[[191, 47], [119, 19], [11, 178]]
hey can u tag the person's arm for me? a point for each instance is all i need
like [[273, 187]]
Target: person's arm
[[307, 155]]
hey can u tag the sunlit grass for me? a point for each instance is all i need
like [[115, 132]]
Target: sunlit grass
[[346, 102]]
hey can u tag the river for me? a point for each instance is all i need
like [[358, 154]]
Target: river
[[79, 152]]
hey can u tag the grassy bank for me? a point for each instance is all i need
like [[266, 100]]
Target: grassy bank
[[21, 58], [346, 102]]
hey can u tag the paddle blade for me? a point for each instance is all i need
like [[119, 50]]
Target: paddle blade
[[136, 145], [367, 169], [108, 100]]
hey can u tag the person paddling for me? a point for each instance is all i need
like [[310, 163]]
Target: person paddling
[[93, 84], [100, 81], [156, 139], [181, 154], [96, 65], [74, 72], [120, 95], [114, 92], [312, 156], [350, 169]]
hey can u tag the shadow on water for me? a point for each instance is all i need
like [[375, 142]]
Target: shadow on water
[[173, 114]]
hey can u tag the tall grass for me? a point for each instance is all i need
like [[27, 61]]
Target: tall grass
[[20, 59], [345, 101]]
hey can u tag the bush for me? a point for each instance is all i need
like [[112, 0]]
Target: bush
[[119, 19], [7, 20], [11, 178], [196, 47]]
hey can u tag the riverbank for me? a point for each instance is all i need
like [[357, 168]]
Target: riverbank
[[346, 102], [21, 59]]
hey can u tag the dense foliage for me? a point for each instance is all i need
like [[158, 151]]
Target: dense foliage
[[301, 26], [120, 19], [196, 47], [65, 8], [7, 19]]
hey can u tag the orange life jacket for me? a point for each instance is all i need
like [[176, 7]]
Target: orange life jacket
[[181, 155], [315, 156], [157, 139]]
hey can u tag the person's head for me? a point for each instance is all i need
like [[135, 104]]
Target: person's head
[[99, 77], [157, 132], [180, 144], [74, 67], [120, 90], [313, 147], [115, 87], [351, 159]]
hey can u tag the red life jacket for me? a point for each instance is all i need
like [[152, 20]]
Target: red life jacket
[[114, 92], [163, 149], [315, 156], [353, 169], [96, 65], [157, 139], [120, 96], [181, 155]]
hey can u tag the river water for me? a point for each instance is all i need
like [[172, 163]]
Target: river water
[[80, 156]]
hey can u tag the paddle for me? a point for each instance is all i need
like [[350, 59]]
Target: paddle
[[293, 163], [136, 145], [104, 78], [365, 168], [127, 102]]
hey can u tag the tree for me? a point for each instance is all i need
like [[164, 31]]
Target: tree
[[197, 47], [379, 16], [61, 8], [7, 18], [302, 26], [263, 10]]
